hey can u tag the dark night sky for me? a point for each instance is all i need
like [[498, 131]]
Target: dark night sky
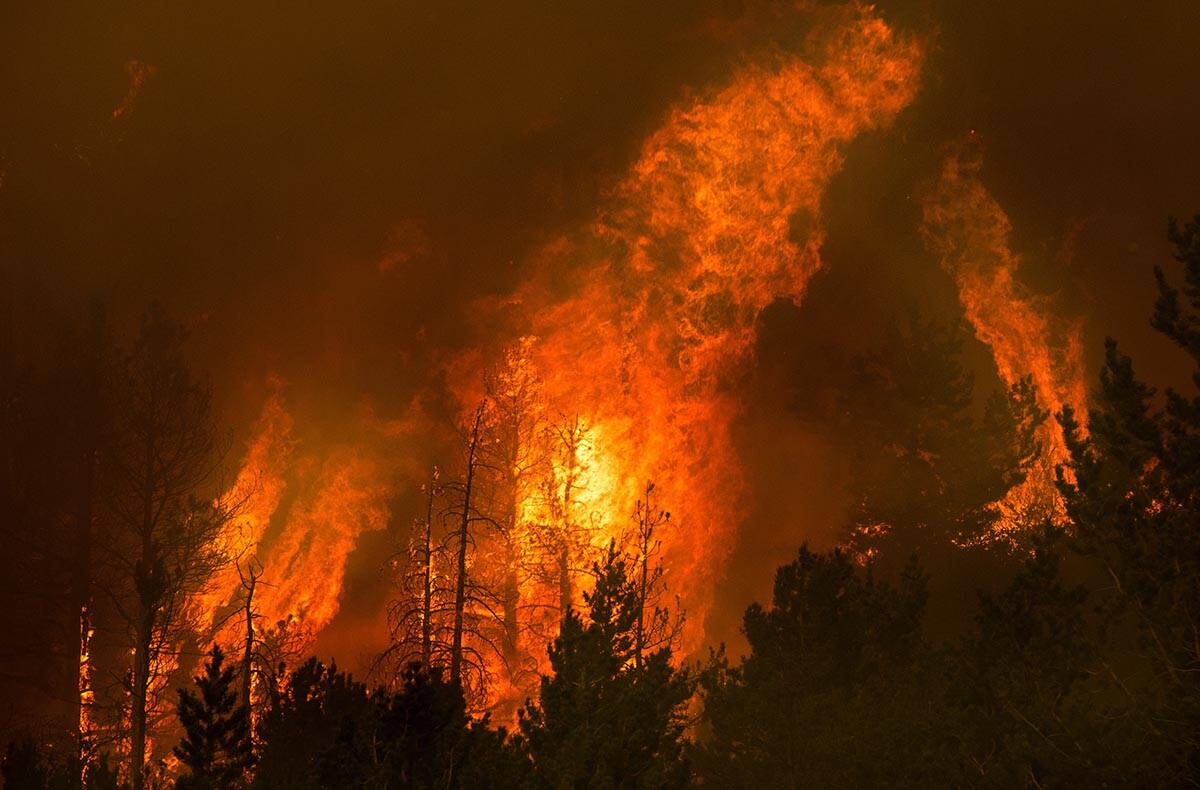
[[319, 191]]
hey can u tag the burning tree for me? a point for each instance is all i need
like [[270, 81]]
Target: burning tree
[[514, 537], [53, 427], [515, 458], [928, 470], [561, 536], [656, 627], [474, 604], [421, 619]]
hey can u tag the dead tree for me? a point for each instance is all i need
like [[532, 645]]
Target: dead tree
[[563, 535], [657, 626], [516, 458], [91, 415], [249, 581], [421, 617], [474, 604], [464, 540], [426, 571], [53, 425], [163, 531]]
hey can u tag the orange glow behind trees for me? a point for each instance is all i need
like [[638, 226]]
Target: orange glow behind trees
[[626, 338]]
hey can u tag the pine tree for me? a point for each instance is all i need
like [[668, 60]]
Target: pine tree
[[602, 720], [216, 750], [1133, 495], [837, 690]]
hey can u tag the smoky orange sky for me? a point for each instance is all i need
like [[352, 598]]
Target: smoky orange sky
[[325, 194]]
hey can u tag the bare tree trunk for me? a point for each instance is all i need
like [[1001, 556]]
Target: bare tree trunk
[[83, 693], [249, 582], [645, 527], [146, 577], [639, 634], [510, 589], [93, 421], [460, 587], [510, 593], [139, 690], [427, 580], [566, 593], [81, 602]]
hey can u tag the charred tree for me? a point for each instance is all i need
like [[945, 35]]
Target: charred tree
[[162, 541], [473, 603], [655, 627], [54, 422], [427, 572], [563, 536], [249, 581], [516, 458], [420, 618], [91, 421]]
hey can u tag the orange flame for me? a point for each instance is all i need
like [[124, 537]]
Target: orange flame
[[719, 216], [255, 495], [299, 518], [304, 569], [969, 230]]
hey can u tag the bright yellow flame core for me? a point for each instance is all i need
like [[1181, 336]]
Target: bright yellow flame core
[[719, 216], [640, 321]]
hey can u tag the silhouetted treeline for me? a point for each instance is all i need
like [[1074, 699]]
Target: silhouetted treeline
[[1066, 655], [111, 524], [1081, 670]]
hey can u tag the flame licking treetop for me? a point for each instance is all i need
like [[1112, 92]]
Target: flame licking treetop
[[300, 514], [640, 322], [967, 229], [633, 330]]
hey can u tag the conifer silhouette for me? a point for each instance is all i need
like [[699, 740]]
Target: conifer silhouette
[[216, 749]]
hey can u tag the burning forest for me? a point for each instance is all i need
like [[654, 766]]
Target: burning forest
[[715, 394]]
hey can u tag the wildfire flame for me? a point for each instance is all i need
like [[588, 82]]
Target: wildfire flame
[[643, 319], [640, 323], [970, 232], [299, 515]]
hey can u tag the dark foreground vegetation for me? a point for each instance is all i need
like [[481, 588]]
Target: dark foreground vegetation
[[1077, 665]]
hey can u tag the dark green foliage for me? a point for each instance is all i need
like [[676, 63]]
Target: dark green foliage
[[927, 466], [839, 688], [26, 765], [1017, 673], [31, 765], [1181, 322], [430, 741], [1081, 670], [1133, 493], [600, 720], [216, 748], [310, 727], [324, 730]]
